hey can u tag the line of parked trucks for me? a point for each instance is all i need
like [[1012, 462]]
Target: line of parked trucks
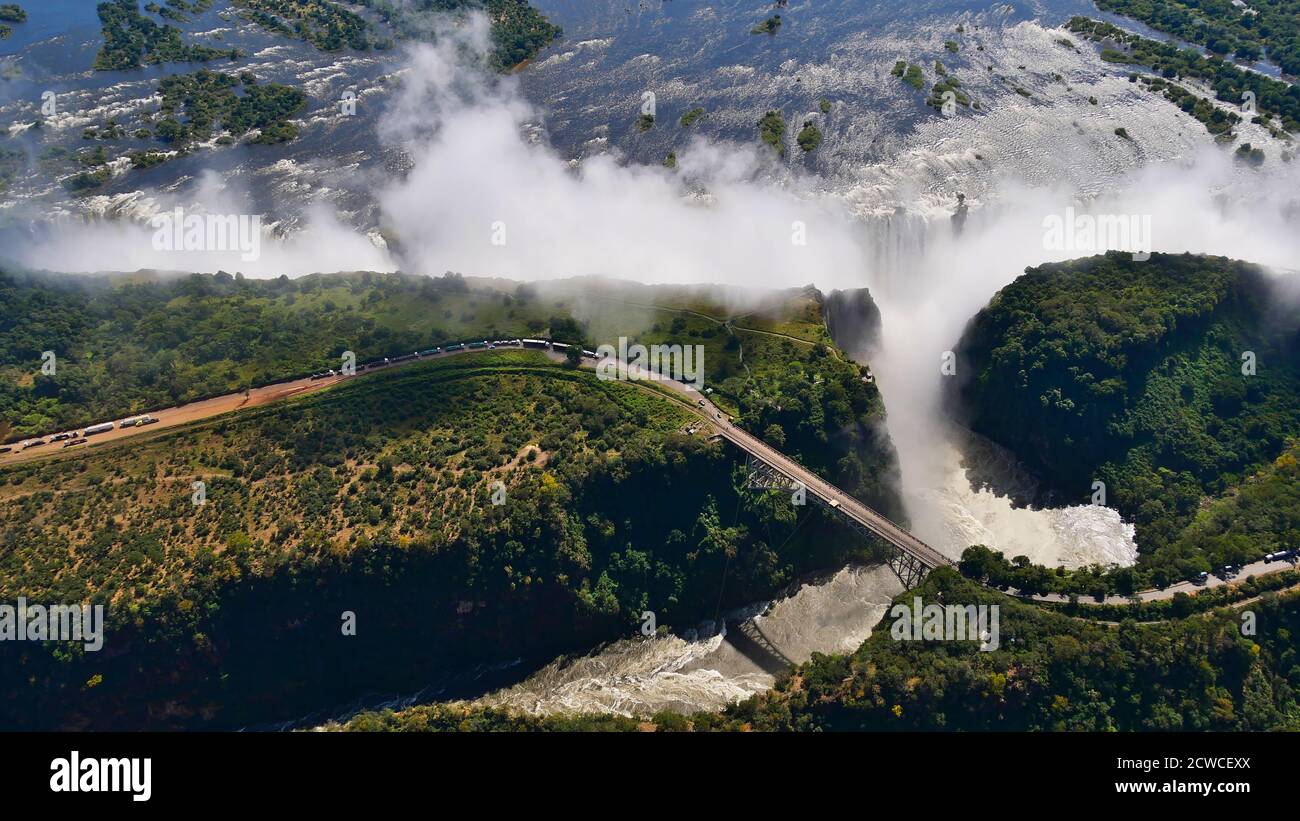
[[80, 437]]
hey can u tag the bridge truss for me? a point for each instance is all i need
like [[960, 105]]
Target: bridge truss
[[909, 569]]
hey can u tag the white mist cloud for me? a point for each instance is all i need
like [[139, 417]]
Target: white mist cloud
[[323, 243], [484, 197]]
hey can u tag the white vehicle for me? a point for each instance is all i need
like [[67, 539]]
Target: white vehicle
[[834, 503], [94, 429]]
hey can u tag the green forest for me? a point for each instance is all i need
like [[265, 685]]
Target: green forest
[[132, 40], [1050, 673], [327, 26], [1272, 97], [519, 31], [1270, 30], [195, 104], [132, 344], [1174, 381]]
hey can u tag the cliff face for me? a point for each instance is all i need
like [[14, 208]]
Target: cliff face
[[853, 321]]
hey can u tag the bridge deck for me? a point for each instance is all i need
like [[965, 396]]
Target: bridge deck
[[847, 504]]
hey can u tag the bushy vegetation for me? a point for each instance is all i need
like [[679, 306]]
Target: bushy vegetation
[[326, 25], [519, 31], [947, 84], [459, 718], [771, 131], [910, 74], [768, 26], [375, 498], [12, 13], [1216, 120], [131, 40], [1272, 97], [810, 136], [196, 104], [1136, 374], [1271, 32]]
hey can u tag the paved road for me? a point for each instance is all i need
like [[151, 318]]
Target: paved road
[[208, 408], [1258, 568]]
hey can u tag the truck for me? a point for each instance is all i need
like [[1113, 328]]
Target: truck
[[103, 427]]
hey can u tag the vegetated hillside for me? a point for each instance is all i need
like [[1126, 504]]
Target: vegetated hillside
[[1050, 672], [1131, 373], [375, 498], [133, 344]]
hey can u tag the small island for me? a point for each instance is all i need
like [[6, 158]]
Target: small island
[[771, 130], [810, 136]]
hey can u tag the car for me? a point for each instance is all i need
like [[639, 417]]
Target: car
[[701, 403], [5, 449], [1201, 578]]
